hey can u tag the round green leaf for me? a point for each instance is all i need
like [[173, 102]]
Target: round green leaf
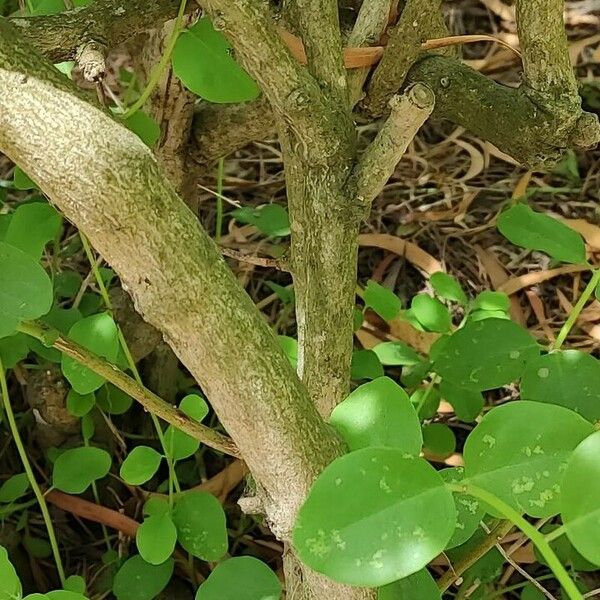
[[139, 580], [382, 300], [14, 349], [202, 60], [10, 584], [75, 469], [418, 586], [467, 403], [240, 578], [379, 413], [365, 365], [446, 286], [201, 527], [180, 445], [37, 547], [439, 439], [33, 225], [519, 450], [140, 465], [80, 405], [194, 406], [530, 592], [536, 231], [25, 289], [75, 583], [97, 333], [486, 354], [568, 378], [156, 538], [579, 507], [431, 313], [272, 220], [469, 511], [14, 487], [156, 506], [113, 400], [396, 353], [491, 301], [426, 400], [144, 126], [65, 595], [565, 552], [374, 516]]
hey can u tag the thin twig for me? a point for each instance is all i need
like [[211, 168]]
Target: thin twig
[[269, 263]]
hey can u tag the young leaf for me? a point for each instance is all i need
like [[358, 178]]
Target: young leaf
[[156, 538], [426, 400], [139, 580], [33, 225], [374, 516], [491, 301], [25, 289], [14, 488], [22, 181], [379, 413], [14, 349], [140, 465], [536, 231], [80, 405], [272, 219], [75, 469], [469, 511], [418, 586], [201, 527], [10, 584], [439, 439], [518, 452], [156, 507], [97, 333], [194, 406], [446, 286], [467, 403], [144, 126], [382, 300], [396, 353], [75, 583], [290, 349], [486, 355], [202, 60], [113, 400], [568, 378], [240, 578], [579, 506], [365, 365], [431, 313]]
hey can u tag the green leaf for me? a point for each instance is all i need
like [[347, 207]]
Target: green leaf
[[413, 375], [22, 181], [564, 551], [14, 349], [37, 547], [379, 413], [240, 578], [144, 126], [25, 289], [180, 445], [365, 365], [67, 284], [47, 7], [568, 378], [201, 527], [14, 488], [467, 403], [486, 354], [202, 60], [374, 516], [75, 583], [382, 300], [439, 439], [156, 538], [289, 346], [530, 592], [75, 469], [139, 580], [284, 293], [194, 406], [579, 506], [536, 231], [113, 400], [431, 313], [519, 450], [33, 225], [140, 465], [446, 286], [396, 353], [10, 585], [156, 507], [418, 586], [492, 301], [481, 315], [97, 333], [469, 511], [80, 404], [271, 219], [426, 400]]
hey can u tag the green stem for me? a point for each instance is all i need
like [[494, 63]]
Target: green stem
[[528, 529], [219, 223], [574, 315], [12, 423], [556, 533], [160, 67]]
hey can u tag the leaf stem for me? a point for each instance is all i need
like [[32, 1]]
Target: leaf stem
[[574, 314], [160, 67], [528, 529], [12, 423], [556, 533]]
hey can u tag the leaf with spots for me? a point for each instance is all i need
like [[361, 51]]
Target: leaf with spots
[[201, 527], [374, 516], [486, 354], [519, 451]]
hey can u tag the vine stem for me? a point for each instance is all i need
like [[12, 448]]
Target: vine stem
[[160, 67], [12, 423], [528, 529], [574, 314]]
